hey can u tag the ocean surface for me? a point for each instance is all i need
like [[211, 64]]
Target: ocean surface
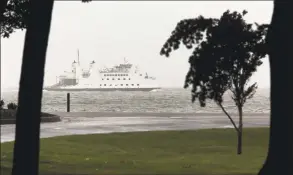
[[163, 100]]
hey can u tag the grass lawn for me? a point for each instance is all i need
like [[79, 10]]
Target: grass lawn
[[201, 152]]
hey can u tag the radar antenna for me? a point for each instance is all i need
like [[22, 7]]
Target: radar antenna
[[125, 61], [78, 57]]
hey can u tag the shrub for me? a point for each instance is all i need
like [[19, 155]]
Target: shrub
[[2, 104], [12, 106]]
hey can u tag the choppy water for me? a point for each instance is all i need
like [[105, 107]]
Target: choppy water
[[164, 100]]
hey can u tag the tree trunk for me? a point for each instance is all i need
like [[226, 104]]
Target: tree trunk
[[279, 156], [237, 129], [27, 132], [239, 133], [230, 118]]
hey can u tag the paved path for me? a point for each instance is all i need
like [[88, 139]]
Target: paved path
[[94, 122]]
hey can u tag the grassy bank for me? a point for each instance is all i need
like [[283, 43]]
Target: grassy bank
[[202, 152]]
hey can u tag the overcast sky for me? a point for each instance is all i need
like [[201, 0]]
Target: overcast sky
[[109, 31]]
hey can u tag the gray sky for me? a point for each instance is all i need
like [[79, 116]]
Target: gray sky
[[109, 31]]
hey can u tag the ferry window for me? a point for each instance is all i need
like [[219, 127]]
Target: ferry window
[[104, 84], [100, 84], [126, 84], [107, 78], [137, 84], [129, 79], [132, 84], [115, 74], [124, 78], [102, 78], [140, 74], [110, 84], [118, 78], [121, 84], [113, 78]]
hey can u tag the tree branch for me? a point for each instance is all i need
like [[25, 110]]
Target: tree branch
[[233, 123]]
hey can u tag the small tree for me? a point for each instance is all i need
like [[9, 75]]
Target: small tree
[[2, 104], [12, 106], [226, 53]]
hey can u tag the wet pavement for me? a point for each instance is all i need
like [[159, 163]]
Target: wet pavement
[[94, 122]]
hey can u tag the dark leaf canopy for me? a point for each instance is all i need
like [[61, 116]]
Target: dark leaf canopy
[[15, 16], [226, 52]]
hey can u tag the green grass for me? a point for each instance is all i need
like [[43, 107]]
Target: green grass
[[202, 152]]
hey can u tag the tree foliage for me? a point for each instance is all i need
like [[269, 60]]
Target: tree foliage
[[226, 53], [15, 16]]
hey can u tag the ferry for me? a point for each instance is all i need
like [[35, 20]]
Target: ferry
[[122, 77]]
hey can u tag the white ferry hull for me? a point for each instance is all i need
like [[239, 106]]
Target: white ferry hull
[[101, 89]]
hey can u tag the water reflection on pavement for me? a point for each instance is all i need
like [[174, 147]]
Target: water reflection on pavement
[[89, 123]]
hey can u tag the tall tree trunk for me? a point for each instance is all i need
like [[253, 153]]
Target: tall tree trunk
[[240, 129], [279, 158], [27, 133]]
